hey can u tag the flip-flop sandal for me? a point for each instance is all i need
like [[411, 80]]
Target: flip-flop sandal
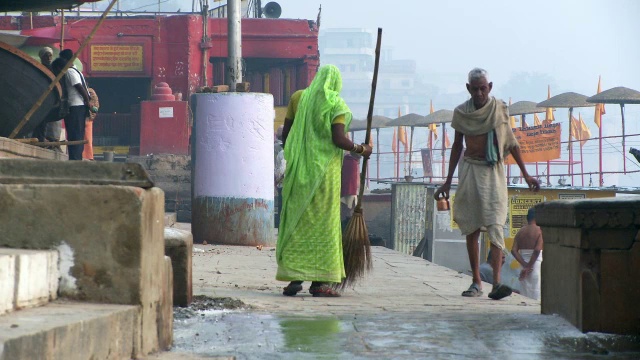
[[292, 289], [500, 291], [323, 291], [473, 291]]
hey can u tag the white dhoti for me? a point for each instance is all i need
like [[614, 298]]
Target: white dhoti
[[481, 200], [530, 285]]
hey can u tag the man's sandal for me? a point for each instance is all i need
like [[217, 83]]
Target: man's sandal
[[473, 291], [323, 291], [500, 291], [292, 289]]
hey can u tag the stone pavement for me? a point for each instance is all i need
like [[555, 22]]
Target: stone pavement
[[407, 308]]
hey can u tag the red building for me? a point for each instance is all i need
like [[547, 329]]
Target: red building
[[128, 56]]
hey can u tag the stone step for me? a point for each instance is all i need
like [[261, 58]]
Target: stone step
[[70, 330], [28, 278]]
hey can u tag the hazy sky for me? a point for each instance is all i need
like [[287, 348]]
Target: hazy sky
[[573, 41]]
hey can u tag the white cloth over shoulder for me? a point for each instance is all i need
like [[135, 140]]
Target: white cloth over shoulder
[[530, 285]]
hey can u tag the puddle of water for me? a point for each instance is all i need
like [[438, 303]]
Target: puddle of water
[[253, 335]]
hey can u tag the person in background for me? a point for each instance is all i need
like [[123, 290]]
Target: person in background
[[40, 132], [94, 105], [527, 249], [79, 101], [309, 244]]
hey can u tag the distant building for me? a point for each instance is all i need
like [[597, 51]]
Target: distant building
[[352, 51]]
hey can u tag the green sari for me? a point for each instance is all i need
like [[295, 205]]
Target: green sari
[[310, 236]]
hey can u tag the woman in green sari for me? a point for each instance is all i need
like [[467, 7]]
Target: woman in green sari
[[314, 136]]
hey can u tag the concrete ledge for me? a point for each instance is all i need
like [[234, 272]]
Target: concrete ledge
[[27, 278], [14, 149], [178, 245], [592, 263], [69, 330], [589, 214]]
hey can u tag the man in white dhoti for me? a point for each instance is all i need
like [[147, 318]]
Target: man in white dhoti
[[482, 123], [527, 249]]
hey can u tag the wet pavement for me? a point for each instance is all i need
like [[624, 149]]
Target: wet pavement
[[407, 308]]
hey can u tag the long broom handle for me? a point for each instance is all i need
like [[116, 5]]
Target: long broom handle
[[367, 138]]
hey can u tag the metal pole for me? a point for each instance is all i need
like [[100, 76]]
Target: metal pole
[[600, 149], [62, 29], [378, 153], [570, 170], [581, 164], [410, 149], [398, 155], [234, 63], [205, 42], [431, 153], [624, 145], [444, 149]]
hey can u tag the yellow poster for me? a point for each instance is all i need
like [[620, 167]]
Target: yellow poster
[[117, 58], [538, 143], [518, 208]]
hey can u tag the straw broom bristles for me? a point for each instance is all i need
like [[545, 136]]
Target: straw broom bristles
[[356, 249]]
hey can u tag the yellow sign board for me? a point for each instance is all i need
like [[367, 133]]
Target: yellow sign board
[[518, 208], [117, 58]]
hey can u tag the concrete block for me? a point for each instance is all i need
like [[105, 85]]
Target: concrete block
[[115, 238], [36, 276], [178, 245], [7, 282], [561, 287], [69, 331], [165, 327]]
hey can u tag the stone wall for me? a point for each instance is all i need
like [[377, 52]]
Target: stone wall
[[172, 174], [591, 266]]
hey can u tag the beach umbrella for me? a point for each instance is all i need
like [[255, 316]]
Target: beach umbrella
[[618, 95], [568, 100]]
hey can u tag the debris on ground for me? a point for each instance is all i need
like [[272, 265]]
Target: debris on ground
[[202, 303]]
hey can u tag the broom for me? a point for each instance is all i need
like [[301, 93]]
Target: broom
[[356, 248]]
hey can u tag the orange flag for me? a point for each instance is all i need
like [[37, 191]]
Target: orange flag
[[599, 108], [585, 133], [432, 127], [402, 137], [394, 146], [447, 144], [549, 115], [512, 119], [536, 120]]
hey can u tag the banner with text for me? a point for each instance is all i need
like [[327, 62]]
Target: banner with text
[[538, 143], [117, 58]]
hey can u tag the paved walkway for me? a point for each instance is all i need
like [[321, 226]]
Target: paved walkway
[[407, 308]]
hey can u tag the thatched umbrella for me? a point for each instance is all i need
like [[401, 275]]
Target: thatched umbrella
[[567, 100], [618, 95], [412, 120], [524, 108], [378, 122]]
